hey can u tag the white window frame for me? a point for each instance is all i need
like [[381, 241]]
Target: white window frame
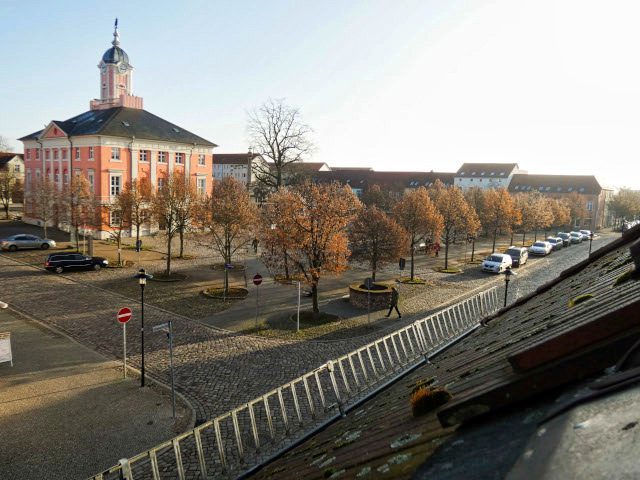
[[47, 154], [37, 154], [37, 174], [202, 185], [162, 157], [143, 156], [91, 177], [66, 179], [113, 218], [115, 188], [201, 161], [28, 179], [77, 157], [590, 205], [115, 150], [28, 154], [55, 154], [179, 158], [90, 153], [57, 177], [161, 182]]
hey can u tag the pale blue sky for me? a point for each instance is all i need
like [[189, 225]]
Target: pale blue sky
[[395, 85]]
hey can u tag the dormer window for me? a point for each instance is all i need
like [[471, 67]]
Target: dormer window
[[126, 124], [473, 173], [516, 187], [569, 189], [482, 173], [493, 173], [461, 173], [502, 174], [559, 189], [548, 188], [581, 189]]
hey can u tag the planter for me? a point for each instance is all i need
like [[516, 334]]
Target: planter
[[174, 277], [234, 293], [380, 296]]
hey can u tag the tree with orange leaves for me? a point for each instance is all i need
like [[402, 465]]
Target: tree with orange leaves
[[561, 213], [315, 219], [475, 198], [376, 238], [457, 217], [417, 214], [497, 212]]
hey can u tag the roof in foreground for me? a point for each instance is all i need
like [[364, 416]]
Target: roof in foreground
[[555, 183], [524, 351], [486, 169], [128, 123]]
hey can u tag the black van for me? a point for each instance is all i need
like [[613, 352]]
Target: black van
[[519, 255], [59, 262]]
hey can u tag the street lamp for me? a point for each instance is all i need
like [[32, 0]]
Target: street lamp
[[142, 277], [590, 241], [507, 277]]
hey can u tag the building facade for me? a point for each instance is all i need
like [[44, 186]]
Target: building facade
[[113, 143], [486, 175]]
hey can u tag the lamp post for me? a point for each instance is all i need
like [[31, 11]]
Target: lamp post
[[507, 277], [590, 241], [142, 277]]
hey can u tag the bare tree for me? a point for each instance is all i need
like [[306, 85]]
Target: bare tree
[[165, 206], [11, 189], [139, 194], [5, 146], [43, 199], [119, 210], [76, 200], [187, 204], [277, 133]]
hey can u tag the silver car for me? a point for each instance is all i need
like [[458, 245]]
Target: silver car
[[15, 242]]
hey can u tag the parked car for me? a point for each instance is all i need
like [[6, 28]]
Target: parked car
[[496, 262], [519, 255], [556, 242], [566, 239], [15, 242], [540, 248], [59, 262], [576, 237], [586, 234]]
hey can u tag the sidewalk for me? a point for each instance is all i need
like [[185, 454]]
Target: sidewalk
[[66, 411]]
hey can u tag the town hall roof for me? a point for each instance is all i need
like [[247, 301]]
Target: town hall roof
[[125, 122], [499, 170], [555, 183]]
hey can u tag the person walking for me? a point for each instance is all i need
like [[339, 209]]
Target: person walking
[[255, 245], [394, 302], [437, 248]]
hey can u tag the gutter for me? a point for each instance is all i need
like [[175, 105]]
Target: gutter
[[367, 397]]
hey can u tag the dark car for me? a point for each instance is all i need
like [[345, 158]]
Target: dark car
[[59, 262], [556, 242], [566, 239], [519, 255]]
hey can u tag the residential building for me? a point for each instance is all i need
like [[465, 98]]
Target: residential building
[[14, 163], [589, 190], [236, 165], [115, 142], [485, 175]]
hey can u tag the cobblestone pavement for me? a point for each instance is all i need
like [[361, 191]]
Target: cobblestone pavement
[[216, 370]]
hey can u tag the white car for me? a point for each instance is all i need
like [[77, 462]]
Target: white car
[[540, 248], [496, 262]]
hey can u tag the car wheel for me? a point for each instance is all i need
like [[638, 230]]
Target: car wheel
[[59, 269], [44, 246], [13, 248], [97, 267]]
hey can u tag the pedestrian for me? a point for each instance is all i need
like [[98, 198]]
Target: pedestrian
[[394, 302], [437, 248], [255, 245]]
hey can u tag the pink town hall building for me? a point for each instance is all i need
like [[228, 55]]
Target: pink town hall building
[[113, 143]]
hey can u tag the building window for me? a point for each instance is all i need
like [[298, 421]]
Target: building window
[[57, 177], [116, 185], [115, 154], [16, 168], [37, 154], [90, 153], [201, 160], [64, 153], [92, 179], [590, 205], [66, 179], [179, 157], [162, 158], [55, 154], [28, 182], [202, 186], [144, 156], [28, 154], [161, 181], [114, 218], [47, 154], [37, 174], [77, 154]]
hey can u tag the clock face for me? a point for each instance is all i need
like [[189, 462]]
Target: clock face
[[123, 68]]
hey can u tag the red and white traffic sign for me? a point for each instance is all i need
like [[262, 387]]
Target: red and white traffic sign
[[124, 315], [257, 280]]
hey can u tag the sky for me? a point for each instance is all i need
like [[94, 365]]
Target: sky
[[422, 85]]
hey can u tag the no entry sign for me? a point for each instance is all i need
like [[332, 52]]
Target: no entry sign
[[257, 280], [124, 315]]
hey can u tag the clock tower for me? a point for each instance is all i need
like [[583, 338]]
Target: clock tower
[[116, 75]]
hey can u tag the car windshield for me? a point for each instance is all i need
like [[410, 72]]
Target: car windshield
[[563, 235], [513, 253], [494, 258], [551, 240], [575, 234], [538, 244]]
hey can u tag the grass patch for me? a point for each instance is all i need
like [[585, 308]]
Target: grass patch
[[133, 247], [580, 299], [625, 277], [233, 293], [426, 400], [415, 281], [447, 270], [114, 264], [288, 281]]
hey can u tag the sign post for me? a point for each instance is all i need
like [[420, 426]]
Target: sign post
[[368, 282], [298, 314], [138, 249], [257, 280], [124, 315]]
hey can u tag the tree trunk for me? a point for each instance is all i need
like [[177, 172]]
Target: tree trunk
[[286, 263], [373, 270], [169, 238], [495, 234], [6, 210], [473, 248], [446, 255], [511, 242], [181, 243], [535, 235], [119, 249], [314, 296], [524, 233], [412, 261], [44, 228], [226, 279]]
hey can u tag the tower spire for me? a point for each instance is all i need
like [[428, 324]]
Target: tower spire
[[116, 36]]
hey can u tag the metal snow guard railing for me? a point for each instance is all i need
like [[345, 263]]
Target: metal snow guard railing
[[238, 434]]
